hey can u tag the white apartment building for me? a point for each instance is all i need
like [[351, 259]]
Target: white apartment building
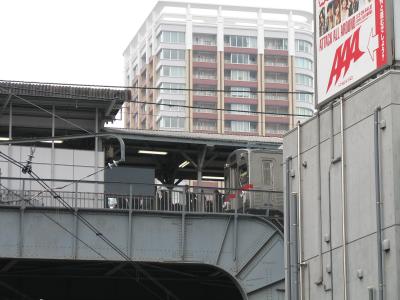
[[226, 56]]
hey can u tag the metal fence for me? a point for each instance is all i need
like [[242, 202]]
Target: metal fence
[[151, 197]]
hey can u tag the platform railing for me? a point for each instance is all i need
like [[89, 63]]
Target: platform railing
[[137, 196]]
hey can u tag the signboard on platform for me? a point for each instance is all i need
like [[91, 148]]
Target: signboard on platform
[[353, 40]]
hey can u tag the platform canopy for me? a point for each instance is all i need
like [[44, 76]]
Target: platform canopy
[[31, 112]]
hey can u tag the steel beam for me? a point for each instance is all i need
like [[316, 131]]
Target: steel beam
[[110, 108], [15, 291], [8, 266], [187, 157], [221, 244], [3, 108]]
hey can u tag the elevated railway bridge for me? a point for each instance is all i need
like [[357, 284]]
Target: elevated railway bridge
[[122, 241]]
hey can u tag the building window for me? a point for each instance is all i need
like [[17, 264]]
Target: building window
[[277, 95], [205, 91], [240, 41], [305, 80], [205, 74], [205, 107], [277, 128], [201, 124], [304, 63], [172, 105], [240, 58], [241, 92], [241, 75], [241, 109], [172, 71], [172, 37], [276, 61], [276, 77], [303, 46], [204, 39], [172, 88], [277, 109], [171, 122], [172, 54], [202, 56], [241, 126], [276, 44], [304, 111], [304, 97]]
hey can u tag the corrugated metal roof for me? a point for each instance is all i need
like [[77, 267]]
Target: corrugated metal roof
[[199, 136], [36, 89]]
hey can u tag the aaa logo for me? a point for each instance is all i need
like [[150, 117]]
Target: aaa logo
[[345, 55]]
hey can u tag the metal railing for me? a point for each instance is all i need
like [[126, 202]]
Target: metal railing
[[136, 196]]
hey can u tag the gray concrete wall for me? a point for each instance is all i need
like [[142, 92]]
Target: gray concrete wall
[[67, 164], [360, 210]]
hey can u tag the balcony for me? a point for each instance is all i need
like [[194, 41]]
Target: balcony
[[250, 67], [229, 116], [212, 48], [238, 100], [276, 68], [277, 119], [276, 52], [206, 115], [240, 50], [230, 82]]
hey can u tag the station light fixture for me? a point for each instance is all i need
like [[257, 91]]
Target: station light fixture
[[184, 164], [2, 138], [213, 178], [152, 152], [55, 142]]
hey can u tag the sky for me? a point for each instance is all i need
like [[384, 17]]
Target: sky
[[80, 41]]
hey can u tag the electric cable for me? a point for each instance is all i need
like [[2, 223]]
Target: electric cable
[[171, 105], [91, 227], [79, 239], [277, 91], [45, 110]]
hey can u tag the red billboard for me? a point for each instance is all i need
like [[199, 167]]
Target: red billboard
[[352, 42]]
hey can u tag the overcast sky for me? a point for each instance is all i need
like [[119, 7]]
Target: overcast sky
[[80, 41]]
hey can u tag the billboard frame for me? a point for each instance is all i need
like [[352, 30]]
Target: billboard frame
[[390, 34]]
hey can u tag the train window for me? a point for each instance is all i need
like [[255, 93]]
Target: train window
[[267, 167], [243, 174]]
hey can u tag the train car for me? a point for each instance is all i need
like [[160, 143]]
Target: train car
[[254, 180]]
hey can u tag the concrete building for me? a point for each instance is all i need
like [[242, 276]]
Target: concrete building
[[342, 170], [208, 48]]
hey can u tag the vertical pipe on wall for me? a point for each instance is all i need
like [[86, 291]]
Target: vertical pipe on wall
[[343, 192], [332, 138], [320, 277], [299, 211], [294, 267], [288, 264], [378, 202]]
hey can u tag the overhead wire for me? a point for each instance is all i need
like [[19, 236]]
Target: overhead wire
[[161, 89], [89, 225], [77, 238], [273, 91], [219, 109], [45, 110]]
